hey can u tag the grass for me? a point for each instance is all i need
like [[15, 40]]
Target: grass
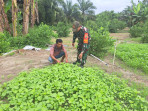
[[117, 74], [122, 31], [138, 39]]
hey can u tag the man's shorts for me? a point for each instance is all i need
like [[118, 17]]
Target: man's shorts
[[58, 56]]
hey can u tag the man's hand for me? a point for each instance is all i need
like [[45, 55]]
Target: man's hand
[[66, 61], [81, 55], [58, 61], [73, 44]]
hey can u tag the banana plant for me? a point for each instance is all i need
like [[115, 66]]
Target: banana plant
[[137, 8]]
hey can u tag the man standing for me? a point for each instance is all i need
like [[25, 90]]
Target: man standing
[[58, 51], [83, 36]]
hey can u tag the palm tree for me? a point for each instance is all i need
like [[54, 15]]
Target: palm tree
[[14, 17], [86, 8], [26, 6], [3, 18], [48, 10], [32, 13], [69, 9]]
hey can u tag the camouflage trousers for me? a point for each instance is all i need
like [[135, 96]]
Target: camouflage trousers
[[79, 50]]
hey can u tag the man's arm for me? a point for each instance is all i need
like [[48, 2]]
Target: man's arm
[[74, 38], [66, 55], [51, 55]]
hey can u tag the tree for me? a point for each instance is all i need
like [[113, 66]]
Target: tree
[[36, 11], [1, 18], [48, 10], [86, 8], [26, 16], [70, 10], [32, 13], [14, 17], [4, 24]]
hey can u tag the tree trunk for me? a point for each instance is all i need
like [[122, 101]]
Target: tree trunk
[[14, 17], [36, 11], [32, 13], [1, 18], [26, 16], [4, 24]]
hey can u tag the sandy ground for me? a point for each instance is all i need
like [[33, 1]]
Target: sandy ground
[[11, 66]]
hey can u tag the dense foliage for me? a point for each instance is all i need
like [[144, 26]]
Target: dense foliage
[[100, 42], [135, 13], [140, 30], [62, 29], [54, 11], [68, 87], [134, 55], [39, 36], [110, 21], [136, 30]]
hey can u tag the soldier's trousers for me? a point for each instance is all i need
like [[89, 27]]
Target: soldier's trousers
[[79, 49]]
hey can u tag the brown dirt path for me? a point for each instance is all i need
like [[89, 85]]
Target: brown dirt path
[[10, 66]]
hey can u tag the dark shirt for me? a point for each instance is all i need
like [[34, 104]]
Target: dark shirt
[[80, 36]]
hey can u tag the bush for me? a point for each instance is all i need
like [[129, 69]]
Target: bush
[[38, 36], [145, 38], [116, 25], [4, 45], [121, 25], [65, 87], [62, 29], [136, 30], [145, 34], [17, 42], [100, 42]]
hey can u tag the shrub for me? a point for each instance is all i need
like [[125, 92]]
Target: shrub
[[136, 30], [65, 87], [38, 36], [100, 42], [17, 42], [145, 34], [121, 25], [4, 45], [145, 38], [62, 29]]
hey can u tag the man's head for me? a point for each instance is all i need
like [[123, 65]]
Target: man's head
[[76, 26], [59, 43]]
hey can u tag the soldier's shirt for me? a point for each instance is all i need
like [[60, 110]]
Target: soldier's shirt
[[80, 36]]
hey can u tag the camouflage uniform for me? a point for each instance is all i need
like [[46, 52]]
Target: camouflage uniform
[[82, 47]]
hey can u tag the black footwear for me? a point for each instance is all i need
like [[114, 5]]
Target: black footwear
[[82, 65], [78, 61]]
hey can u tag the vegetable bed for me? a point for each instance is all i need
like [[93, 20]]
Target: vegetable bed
[[134, 55], [67, 87]]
